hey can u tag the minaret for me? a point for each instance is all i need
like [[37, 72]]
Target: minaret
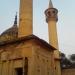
[[26, 18], [52, 18]]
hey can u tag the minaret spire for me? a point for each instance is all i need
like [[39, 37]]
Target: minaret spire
[[50, 4], [15, 22]]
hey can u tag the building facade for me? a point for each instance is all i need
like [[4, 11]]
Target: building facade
[[26, 54]]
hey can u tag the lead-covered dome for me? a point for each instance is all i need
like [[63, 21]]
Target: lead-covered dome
[[11, 33]]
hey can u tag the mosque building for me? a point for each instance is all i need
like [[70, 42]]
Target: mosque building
[[22, 52]]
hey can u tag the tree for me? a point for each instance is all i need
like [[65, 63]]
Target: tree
[[65, 62], [72, 57]]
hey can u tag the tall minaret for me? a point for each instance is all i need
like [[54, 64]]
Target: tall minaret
[[26, 17], [51, 19]]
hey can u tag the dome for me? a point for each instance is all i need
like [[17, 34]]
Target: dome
[[11, 33]]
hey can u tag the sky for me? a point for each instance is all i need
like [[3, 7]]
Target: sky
[[65, 24]]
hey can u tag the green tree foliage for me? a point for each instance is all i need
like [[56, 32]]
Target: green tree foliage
[[65, 62]]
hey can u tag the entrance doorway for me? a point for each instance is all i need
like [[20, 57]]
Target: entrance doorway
[[19, 71]]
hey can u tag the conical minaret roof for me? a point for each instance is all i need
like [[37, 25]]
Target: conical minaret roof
[[50, 4]]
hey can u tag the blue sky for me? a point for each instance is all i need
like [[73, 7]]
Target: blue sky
[[65, 25]]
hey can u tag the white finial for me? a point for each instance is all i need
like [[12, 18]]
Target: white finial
[[50, 4]]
